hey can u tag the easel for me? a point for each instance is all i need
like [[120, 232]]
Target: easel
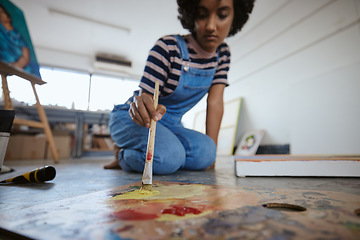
[[7, 70]]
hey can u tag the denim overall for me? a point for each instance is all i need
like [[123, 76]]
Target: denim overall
[[175, 146]]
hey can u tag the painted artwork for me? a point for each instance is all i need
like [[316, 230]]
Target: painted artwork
[[249, 143], [16, 47], [192, 211]]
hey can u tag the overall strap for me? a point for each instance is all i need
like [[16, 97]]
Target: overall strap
[[184, 53]]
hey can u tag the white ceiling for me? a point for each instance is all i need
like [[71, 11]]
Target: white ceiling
[[69, 33]]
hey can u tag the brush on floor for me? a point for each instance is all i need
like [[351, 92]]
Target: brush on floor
[[146, 184]]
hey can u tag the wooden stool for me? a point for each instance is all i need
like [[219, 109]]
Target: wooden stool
[[7, 70]]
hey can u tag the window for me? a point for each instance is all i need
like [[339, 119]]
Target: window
[[107, 91], [70, 90]]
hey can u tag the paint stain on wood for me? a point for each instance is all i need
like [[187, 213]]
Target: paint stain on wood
[[149, 156], [192, 211]]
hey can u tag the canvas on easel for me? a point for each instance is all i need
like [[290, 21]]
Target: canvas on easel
[[17, 57], [16, 47]]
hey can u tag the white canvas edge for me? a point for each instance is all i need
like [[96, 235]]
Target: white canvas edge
[[323, 168]]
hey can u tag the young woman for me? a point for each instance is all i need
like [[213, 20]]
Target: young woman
[[187, 67]]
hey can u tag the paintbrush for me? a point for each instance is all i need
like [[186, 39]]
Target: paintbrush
[[146, 184]]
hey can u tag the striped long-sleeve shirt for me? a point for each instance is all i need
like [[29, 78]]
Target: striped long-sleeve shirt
[[164, 64]]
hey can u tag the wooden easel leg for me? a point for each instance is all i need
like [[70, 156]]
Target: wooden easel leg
[[6, 93], [47, 129]]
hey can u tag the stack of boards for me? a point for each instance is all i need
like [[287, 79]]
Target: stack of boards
[[298, 165]]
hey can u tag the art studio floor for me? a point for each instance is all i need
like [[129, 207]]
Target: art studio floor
[[77, 196]]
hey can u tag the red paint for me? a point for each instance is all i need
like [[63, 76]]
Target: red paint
[[131, 215], [125, 228], [149, 156], [180, 210]]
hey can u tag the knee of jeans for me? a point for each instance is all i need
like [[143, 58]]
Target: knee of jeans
[[131, 160], [205, 154], [169, 162]]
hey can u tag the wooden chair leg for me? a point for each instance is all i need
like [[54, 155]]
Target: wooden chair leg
[[42, 115], [6, 93], [47, 129]]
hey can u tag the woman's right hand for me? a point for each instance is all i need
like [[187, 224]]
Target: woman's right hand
[[142, 110]]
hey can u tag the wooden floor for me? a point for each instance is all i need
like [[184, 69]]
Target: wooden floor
[[78, 178]]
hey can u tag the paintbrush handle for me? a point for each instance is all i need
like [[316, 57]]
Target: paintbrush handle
[[156, 94], [151, 142], [152, 130], [147, 175]]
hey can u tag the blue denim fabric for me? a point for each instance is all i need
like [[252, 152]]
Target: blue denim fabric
[[175, 146]]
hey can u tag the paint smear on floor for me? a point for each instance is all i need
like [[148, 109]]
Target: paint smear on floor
[[191, 211]]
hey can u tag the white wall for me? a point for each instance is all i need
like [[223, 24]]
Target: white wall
[[296, 64]]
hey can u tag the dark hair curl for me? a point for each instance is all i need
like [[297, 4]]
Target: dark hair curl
[[188, 13]]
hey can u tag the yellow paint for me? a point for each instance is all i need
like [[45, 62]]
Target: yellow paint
[[135, 195], [161, 191], [146, 192], [180, 191]]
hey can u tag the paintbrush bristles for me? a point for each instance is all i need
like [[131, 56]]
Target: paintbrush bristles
[[145, 187]]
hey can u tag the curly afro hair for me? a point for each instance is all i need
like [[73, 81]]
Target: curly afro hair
[[188, 12]]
